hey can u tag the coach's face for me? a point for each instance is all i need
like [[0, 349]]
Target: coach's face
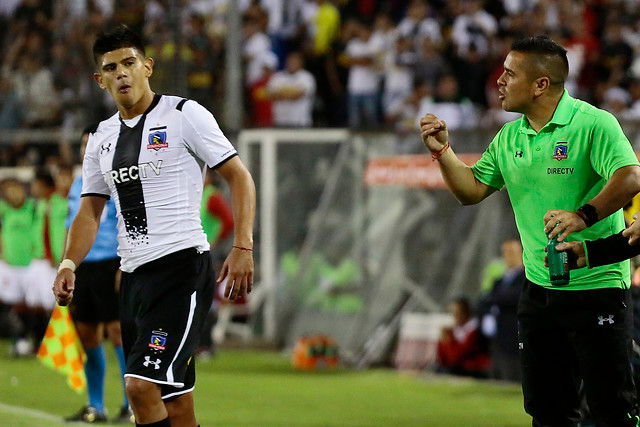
[[516, 90], [124, 73]]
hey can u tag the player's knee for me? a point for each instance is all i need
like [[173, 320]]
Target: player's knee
[[139, 390]]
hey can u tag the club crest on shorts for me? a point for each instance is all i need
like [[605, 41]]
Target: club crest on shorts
[[158, 340], [560, 150], [157, 139]]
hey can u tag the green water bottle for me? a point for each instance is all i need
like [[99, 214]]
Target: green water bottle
[[558, 264]]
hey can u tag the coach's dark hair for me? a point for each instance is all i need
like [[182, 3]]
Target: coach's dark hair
[[549, 58], [117, 38]]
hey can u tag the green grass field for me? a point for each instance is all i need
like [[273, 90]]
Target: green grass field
[[245, 388]]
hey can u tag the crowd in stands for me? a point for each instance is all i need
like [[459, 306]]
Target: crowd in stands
[[365, 64]]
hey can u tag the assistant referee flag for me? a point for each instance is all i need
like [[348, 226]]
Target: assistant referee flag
[[61, 349]]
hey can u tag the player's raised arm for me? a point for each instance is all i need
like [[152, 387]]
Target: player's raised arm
[[238, 267], [80, 238], [457, 175]]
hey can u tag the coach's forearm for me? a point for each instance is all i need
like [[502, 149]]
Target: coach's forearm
[[619, 189], [460, 180]]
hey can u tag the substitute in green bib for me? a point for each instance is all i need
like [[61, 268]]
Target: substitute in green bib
[[569, 169]]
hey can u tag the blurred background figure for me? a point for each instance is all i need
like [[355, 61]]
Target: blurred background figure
[[292, 92], [461, 348], [23, 321], [500, 322]]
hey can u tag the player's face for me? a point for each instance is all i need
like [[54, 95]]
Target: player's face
[[124, 73], [516, 90]]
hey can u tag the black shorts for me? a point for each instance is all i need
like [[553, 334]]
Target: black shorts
[[568, 337], [95, 299], [163, 305]]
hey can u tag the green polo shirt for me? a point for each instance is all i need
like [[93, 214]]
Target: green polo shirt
[[16, 224], [561, 167]]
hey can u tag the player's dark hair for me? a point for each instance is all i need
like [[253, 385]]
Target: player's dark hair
[[117, 38], [550, 59]]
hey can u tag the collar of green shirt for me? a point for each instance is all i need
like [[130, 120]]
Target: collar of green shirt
[[561, 116]]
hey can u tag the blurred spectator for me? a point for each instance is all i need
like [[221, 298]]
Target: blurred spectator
[[293, 92], [448, 105], [461, 350], [256, 43], [417, 26], [363, 53], [402, 113], [616, 100], [474, 27], [35, 92], [431, 64], [500, 323], [261, 103], [398, 76], [633, 113], [472, 72]]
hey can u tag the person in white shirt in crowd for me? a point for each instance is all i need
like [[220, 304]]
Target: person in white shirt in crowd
[[616, 100], [402, 114], [293, 92], [448, 105], [400, 62], [418, 26], [364, 54], [256, 43], [474, 26]]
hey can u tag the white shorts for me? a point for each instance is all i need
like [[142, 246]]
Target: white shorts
[[40, 278], [11, 290]]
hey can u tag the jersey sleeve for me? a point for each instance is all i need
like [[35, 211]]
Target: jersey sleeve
[[93, 183], [487, 169], [611, 150], [203, 136]]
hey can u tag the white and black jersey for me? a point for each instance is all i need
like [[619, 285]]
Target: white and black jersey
[[153, 166]]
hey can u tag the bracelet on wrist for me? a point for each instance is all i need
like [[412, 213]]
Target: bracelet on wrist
[[67, 263], [588, 214], [243, 249], [435, 155]]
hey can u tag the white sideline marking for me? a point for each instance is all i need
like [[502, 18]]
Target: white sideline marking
[[31, 413]]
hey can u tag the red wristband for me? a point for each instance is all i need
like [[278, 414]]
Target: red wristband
[[436, 155], [243, 249]]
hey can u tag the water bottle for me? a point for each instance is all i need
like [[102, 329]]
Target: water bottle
[[558, 264]]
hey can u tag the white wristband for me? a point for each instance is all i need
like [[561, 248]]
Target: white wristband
[[67, 263]]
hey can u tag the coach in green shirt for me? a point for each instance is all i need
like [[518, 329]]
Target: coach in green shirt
[[568, 164]]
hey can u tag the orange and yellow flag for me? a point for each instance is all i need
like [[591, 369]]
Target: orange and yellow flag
[[61, 349]]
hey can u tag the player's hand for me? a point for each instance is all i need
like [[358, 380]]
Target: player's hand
[[562, 223], [633, 231], [575, 251], [434, 132], [63, 286], [238, 270]]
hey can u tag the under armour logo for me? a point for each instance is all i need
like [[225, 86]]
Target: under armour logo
[[148, 361], [104, 148], [602, 319], [519, 153]]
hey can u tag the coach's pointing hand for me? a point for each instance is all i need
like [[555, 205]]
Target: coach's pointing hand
[[434, 132], [63, 286]]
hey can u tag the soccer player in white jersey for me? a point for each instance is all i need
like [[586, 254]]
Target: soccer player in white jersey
[[151, 158]]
